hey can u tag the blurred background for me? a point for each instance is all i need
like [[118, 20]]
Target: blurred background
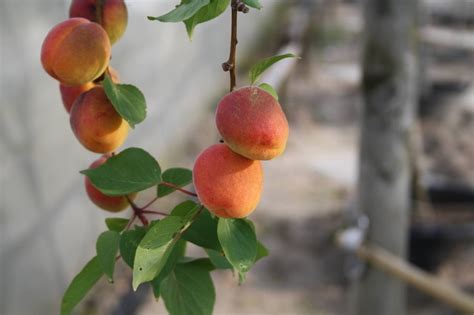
[[48, 227]]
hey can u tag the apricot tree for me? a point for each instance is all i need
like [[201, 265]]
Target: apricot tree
[[227, 177]]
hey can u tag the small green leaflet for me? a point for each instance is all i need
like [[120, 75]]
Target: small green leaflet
[[154, 249], [239, 242], [116, 224], [268, 88], [182, 12], [203, 262], [129, 243], [107, 246], [80, 285], [185, 209], [177, 252], [127, 99], [179, 177], [253, 3], [206, 13], [188, 290], [262, 251], [218, 259], [260, 67], [131, 170], [203, 231]]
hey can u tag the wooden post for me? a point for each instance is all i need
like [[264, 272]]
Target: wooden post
[[389, 95]]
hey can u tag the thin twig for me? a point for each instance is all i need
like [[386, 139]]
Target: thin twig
[[137, 210], [187, 192], [154, 212], [231, 64], [129, 224], [150, 203]]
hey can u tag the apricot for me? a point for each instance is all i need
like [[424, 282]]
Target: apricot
[[69, 93], [76, 51], [113, 16], [228, 184], [96, 123], [252, 123], [108, 203]]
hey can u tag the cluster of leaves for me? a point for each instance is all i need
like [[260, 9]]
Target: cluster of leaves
[[156, 253], [194, 12]]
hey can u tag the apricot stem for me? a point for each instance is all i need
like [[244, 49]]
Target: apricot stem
[[129, 224], [154, 212], [150, 203], [231, 65], [184, 191], [138, 211]]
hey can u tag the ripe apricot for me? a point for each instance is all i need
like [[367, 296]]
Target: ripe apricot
[[113, 17], [228, 184], [108, 203], [76, 51], [96, 123], [69, 93], [252, 123]]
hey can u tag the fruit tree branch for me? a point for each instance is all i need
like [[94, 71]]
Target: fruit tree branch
[[231, 65]]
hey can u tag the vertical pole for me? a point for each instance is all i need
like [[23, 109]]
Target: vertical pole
[[389, 100]]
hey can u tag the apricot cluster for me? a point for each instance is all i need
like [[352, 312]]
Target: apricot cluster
[[76, 52], [228, 177]]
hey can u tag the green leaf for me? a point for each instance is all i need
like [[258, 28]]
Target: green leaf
[[154, 249], [203, 232], [80, 285], [131, 170], [268, 88], [182, 12], [116, 224], [107, 246], [262, 251], [239, 242], [178, 251], [206, 13], [179, 177], [203, 262], [188, 290], [253, 3], [218, 259], [260, 67], [184, 209], [129, 243], [127, 100]]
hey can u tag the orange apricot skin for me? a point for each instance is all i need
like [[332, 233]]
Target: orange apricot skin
[[108, 203], [114, 17], [76, 51], [252, 123], [69, 93], [96, 123], [227, 184]]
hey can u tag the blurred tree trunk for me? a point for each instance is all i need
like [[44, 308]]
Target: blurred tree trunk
[[390, 96]]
